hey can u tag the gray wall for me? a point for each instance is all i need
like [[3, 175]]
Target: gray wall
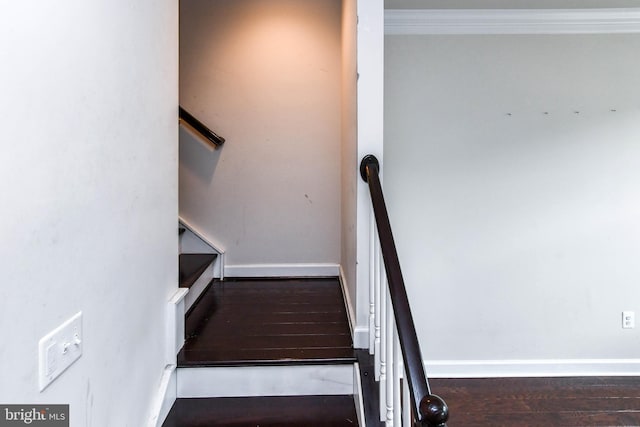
[[267, 76], [88, 177], [511, 169]]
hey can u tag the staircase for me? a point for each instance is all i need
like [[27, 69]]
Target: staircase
[[264, 352]]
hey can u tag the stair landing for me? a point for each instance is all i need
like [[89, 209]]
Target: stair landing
[[268, 321]]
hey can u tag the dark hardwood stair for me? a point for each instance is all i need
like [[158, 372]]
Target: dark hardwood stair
[[270, 323], [281, 411], [191, 267]]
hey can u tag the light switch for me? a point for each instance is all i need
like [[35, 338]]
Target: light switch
[[59, 349]]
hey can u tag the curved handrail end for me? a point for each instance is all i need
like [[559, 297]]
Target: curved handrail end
[[433, 411], [366, 161]]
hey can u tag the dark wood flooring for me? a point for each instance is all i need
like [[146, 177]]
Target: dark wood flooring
[[281, 411], [516, 402], [268, 321]]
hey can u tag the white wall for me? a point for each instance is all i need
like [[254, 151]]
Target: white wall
[[266, 75], [349, 154], [370, 57], [512, 189], [88, 178]]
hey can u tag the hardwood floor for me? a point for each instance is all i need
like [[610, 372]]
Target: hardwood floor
[[520, 402], [283, 411], [268, 322]]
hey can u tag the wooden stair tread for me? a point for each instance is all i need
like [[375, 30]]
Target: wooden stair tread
[[191, 266], [255, 322], [282, 411]]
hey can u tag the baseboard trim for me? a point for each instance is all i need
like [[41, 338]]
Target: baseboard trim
[[198, 288], [164, 398], [281, 270], [531, 368], [361, 337], [212, 243], [359, 333], [243, 381], [512, 21], [357, 395], [347, 300]]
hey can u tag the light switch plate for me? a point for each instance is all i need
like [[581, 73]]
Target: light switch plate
[[59, 349]]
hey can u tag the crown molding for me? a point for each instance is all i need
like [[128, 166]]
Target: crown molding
[[512, 21]]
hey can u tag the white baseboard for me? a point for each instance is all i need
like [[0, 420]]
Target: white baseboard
[[216, 246], [361, 337], [359, 333], [357, 395], [281, 270], [241, 381], [531, 368], [198, 288], [347, 300], [164, 398]]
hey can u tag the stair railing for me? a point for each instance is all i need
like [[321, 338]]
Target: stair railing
[[201, 128], [405, 396]]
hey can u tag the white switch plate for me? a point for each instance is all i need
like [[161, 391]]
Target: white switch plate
[[59, 349], [628, 320]]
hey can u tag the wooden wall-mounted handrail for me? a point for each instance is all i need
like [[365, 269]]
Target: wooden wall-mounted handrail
[[199, 127]]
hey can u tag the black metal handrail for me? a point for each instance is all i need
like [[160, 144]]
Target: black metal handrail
[[198, 126], [429, 410]]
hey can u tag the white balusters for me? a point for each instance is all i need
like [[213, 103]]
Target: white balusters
[[383, 350], [397, 383], [407, 415], [373, 254], [395, 401], [378, 264], [389, 347]]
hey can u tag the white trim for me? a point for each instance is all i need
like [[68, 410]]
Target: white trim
[[242, 381], [174, 326], [512, 21], [281, 270], [203, 236], [198, 288], [357, 395], [216, 246], [359, 334], [347, 300], [164, 398], [531, 368], [178, 296], [361, 337]]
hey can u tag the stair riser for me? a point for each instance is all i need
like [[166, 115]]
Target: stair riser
[[266, 381]]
